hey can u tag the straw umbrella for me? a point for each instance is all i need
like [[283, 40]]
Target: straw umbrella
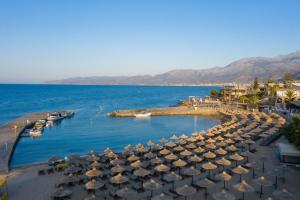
[[171, 157], [95, 164], [133, 158], [195, 159], [224, 176], [179, 163], [236, 157], [141, 173], [164, 152], [247, 154], [210, 146], [163, 140], [126, 192], [186, 153], [150, 143], [61, 193], [157, 147], [210, 140], [93, 173], [199, 150], [240, 170], [221, 151], [201, 143], [117, 161], [209, 167], [205, 183], [223, 162], [191, 171], [172, 177], [94, 185], [91, 197], [209, 155], [136, 164], [223, 195], [283, 195], [174, 137], [70, 179], [119, 179], [181, 142], [262, 182], [231, 148], [162, 196], [150, 155], [161, 168], [179, 148], [183, 136], [170, 144], [185, 191], [117, 169], [243, 187], [191, 146], [156, 160], [152, 185]]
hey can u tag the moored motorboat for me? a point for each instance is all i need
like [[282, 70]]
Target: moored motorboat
[[35, 132], [55, 116], [143, 115]]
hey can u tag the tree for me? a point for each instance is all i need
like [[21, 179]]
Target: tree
[[243, 98], [273, 90], [292, 131], [255, 85], [253, 100], [214, 93], [290, 94]]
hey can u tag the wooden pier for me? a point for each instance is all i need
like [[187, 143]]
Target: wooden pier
[[10, 134]]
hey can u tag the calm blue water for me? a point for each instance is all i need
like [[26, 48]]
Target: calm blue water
[[90, 128]]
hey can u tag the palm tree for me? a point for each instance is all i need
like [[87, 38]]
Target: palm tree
[[290, 94], [253, 100]]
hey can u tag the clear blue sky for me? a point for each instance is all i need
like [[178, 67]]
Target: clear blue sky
[[53, 39]]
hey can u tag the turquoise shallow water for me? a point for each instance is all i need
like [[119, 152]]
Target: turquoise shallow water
[[90, 128]]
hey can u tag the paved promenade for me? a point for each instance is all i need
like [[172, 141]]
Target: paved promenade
[[10, 133]]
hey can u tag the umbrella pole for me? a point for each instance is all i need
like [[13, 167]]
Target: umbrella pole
[[261, 190], [263, 167], [253, 172], [205, 193], [224, 185], [243, 196], [240, 178], [276, 182]]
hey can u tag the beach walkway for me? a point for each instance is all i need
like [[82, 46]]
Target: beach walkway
[[10, 133]]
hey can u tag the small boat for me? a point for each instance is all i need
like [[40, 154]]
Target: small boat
[[35, 132], [49, 124], [143, 115], [54, 117]]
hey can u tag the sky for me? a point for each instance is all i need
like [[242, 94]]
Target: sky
[[57, 39]]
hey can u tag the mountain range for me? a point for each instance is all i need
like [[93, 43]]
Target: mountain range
[[240, 71]]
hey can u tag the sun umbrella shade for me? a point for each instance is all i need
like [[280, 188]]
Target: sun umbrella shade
[[126, 192], [224, 176], [136, 164], [95, 164], [191, 171], [133, 158], [210, 140], [179, 148], [185, 190], [195, 159], [170, 177], [171, 157], [62, 193], [150, 155], [191, 146], [179, 163], [162, 196], [283, 195], [117, 161], [162, 168], [236, 157], [240, 170], [205, 183], [156, 160], [209, 155], [164, 152], [93, 173], [152, 185], [223, 195], [243, 187], [209, 166], [118, 179], [262, 181], [171, 144], [210, 146], [186, 153], [94, 185], [199, 150], [163, 140], [141, 172], [221, 151], [173, 137], [117, 169], [183, 136], [223, 162]]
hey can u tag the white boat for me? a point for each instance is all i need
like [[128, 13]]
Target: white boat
[[142, 115], [54, 117], [35, 132]]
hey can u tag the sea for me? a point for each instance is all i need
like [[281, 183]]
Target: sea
[[91, 128]]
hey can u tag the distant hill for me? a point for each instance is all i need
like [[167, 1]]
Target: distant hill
[[241, 71]]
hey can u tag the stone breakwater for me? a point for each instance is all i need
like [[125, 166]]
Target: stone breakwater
[[180, 110]]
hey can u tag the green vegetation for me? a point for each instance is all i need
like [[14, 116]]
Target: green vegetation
[[290, 94], [255, 85], [215, 93], [292, 131]]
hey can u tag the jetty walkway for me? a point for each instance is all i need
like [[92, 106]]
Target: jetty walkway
[[10, 133], [179, 110]]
